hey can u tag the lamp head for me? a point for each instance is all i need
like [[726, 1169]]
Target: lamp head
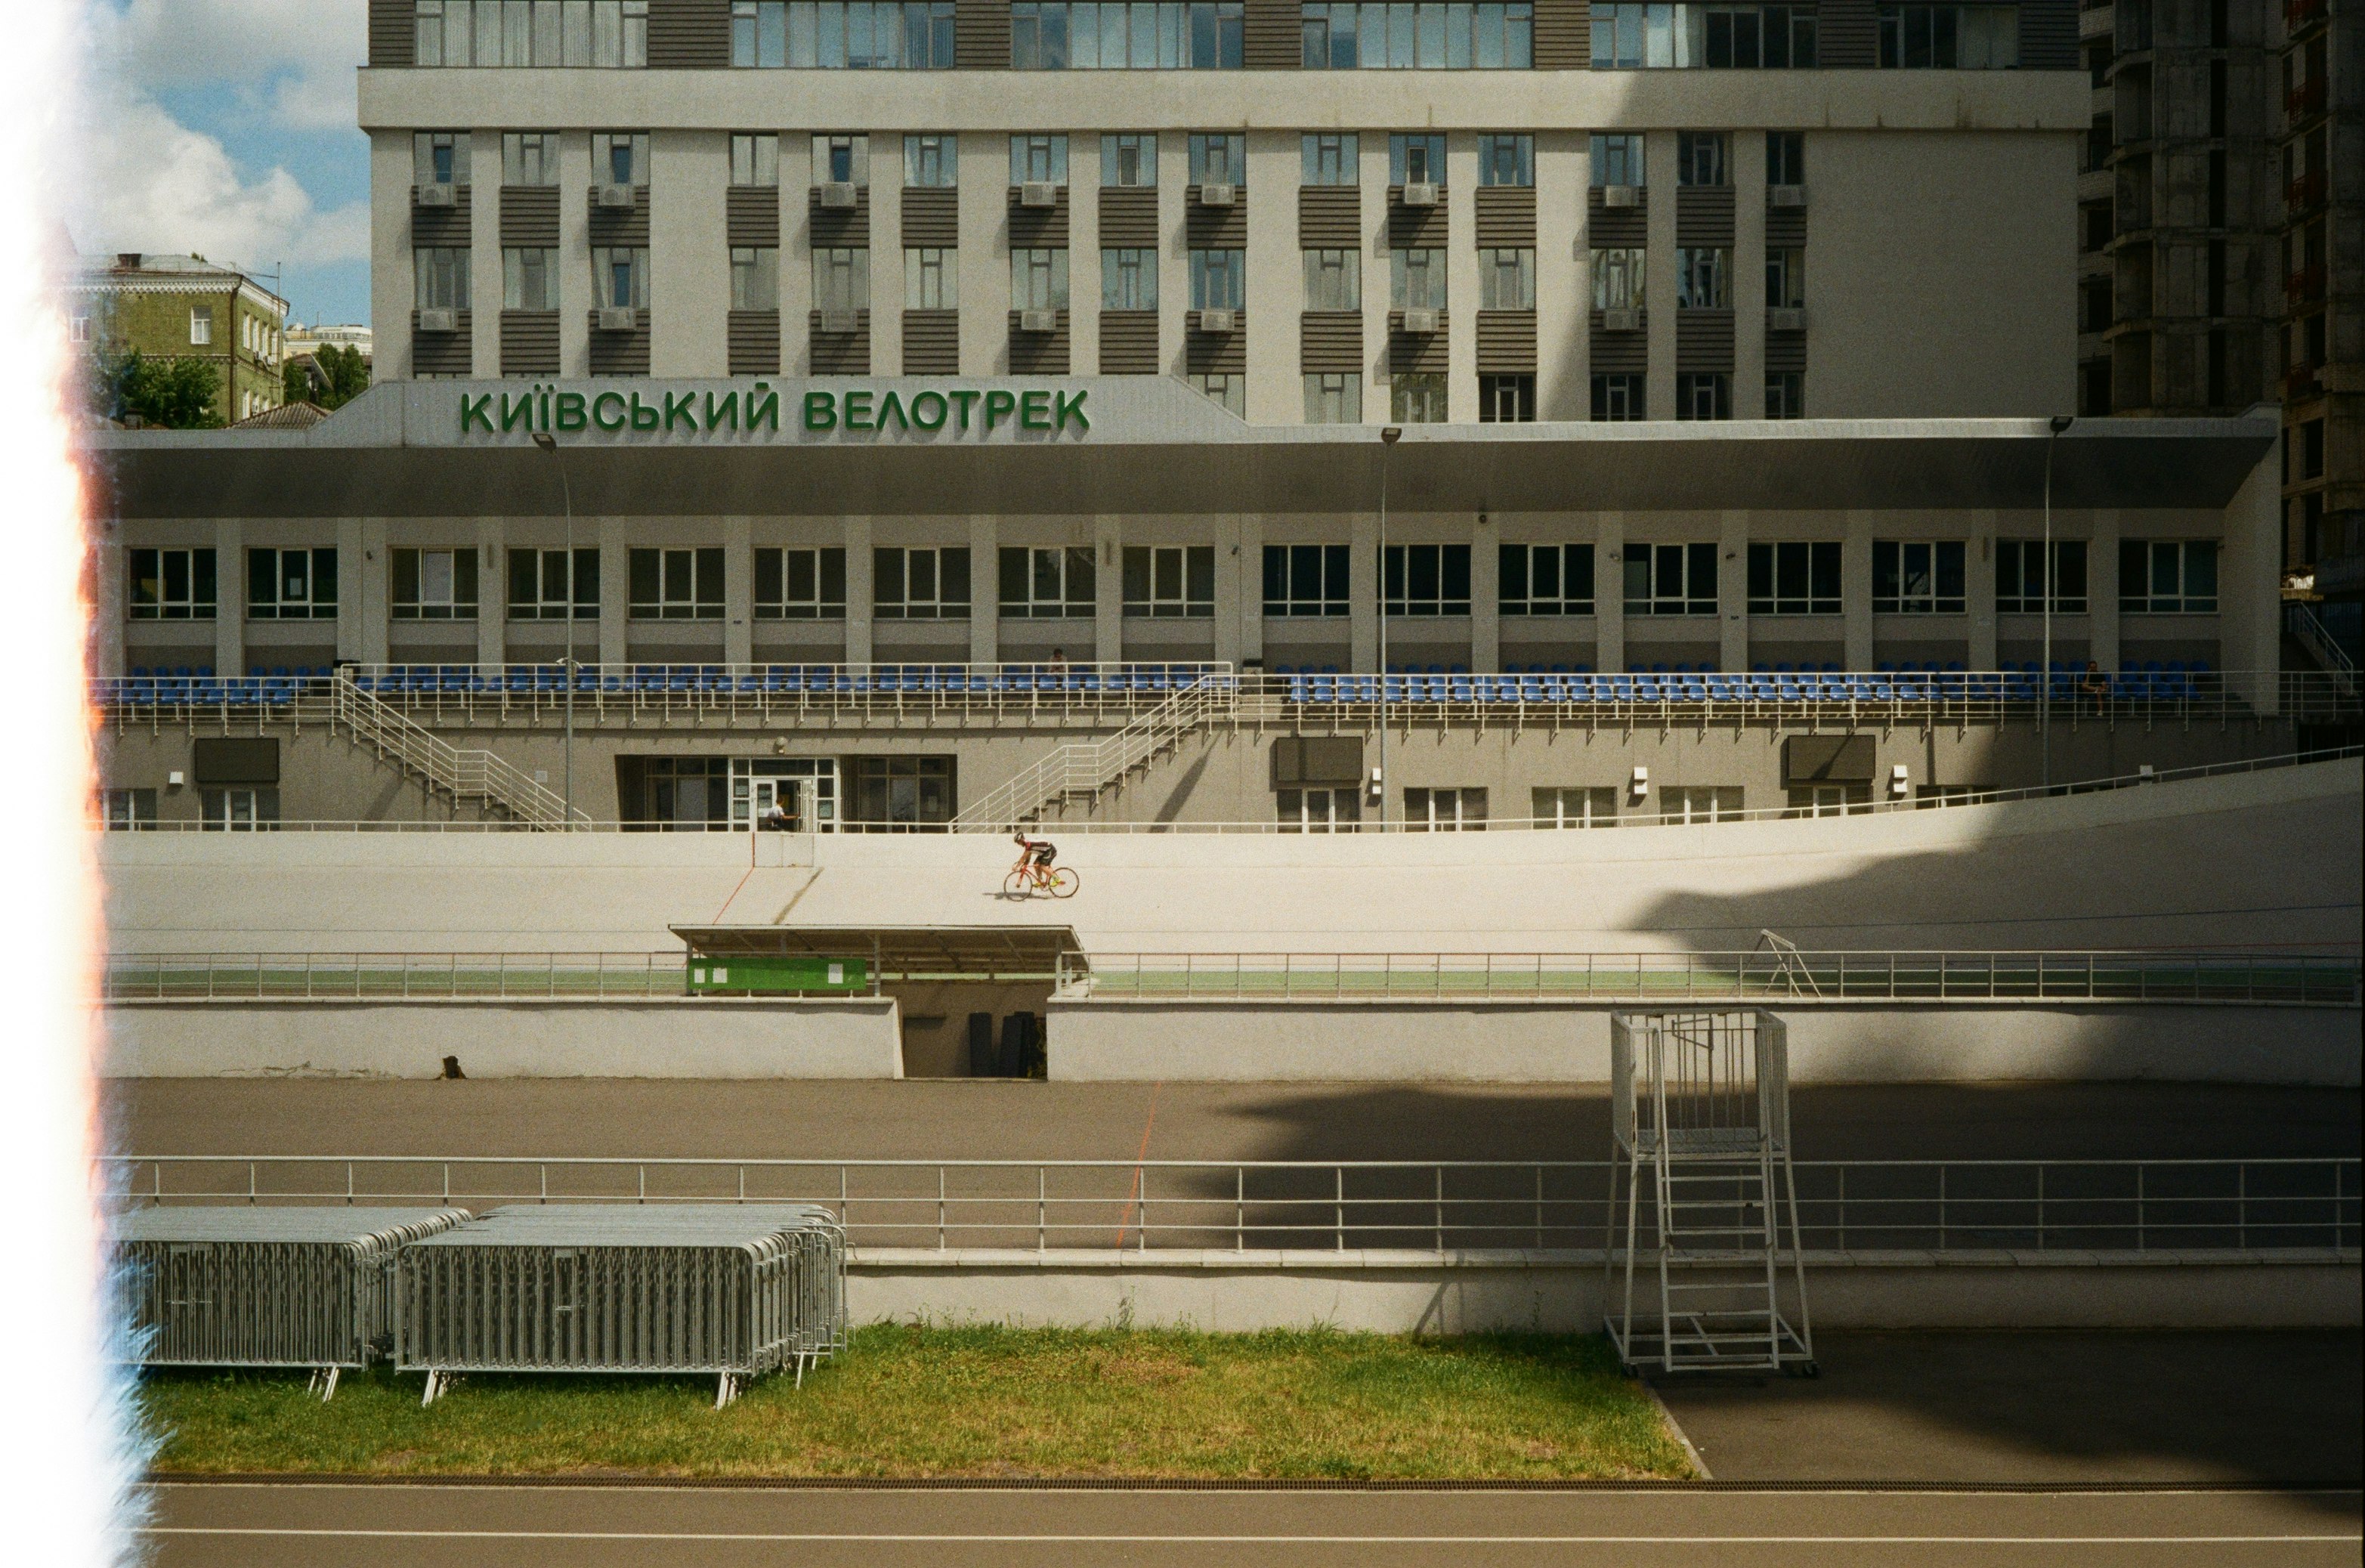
[[545, 441], [2060, 423], [1390, 435]]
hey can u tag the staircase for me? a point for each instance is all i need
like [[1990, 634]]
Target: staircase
[[471, 777], [1718, 1267], [1079, 773], [2308, 630]]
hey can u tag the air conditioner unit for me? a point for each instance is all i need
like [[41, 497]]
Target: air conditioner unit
[[1038, 193], [1621, 196], [1038, 321], [434, 195], [439, 321], [1790, 319], [619, 318], [1221, 193], [1420, 323], [1787, 196], [1622, 321], [1421, 193], [841, 321], [837, 195], [1216, 321], [615, 198]]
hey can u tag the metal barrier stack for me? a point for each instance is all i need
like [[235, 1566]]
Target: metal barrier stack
[[733, 1291], [265, 1287]]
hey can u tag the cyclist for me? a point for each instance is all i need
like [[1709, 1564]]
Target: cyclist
[[1035, 855]]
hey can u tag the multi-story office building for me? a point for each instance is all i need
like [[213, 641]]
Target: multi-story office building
[[185, 307]]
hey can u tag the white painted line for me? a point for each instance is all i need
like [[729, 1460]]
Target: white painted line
[[807, 1538]]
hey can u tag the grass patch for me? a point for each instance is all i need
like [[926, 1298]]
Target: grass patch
[[909, 1400]]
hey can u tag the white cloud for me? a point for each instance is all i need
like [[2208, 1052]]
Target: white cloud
[[155, 44]]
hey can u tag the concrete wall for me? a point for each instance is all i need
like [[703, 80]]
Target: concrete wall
[[1421, 1292], [711, 1037], [1830, 1043]]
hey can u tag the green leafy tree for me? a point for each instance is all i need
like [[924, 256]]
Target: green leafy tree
[[348, 373], [171, 394]]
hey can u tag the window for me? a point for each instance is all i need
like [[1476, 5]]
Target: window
[[899, 794], [1445, 811], [932, 162], [1794, 579], [1427, 579], [291, 585], [1506, 280], [1506, 399], [1703, 395], [1218, 280], [243, 810], [620, 276], [1618, 397], [1950, 37], [528, 158], [1305, 580], [619, 157], [434, 585], [1670, 579], [1047, 585], [1506, 159], [1230, 391], [931, 278], [841, 160], [1545, 579], [1219, 159], [1828, 800], [1786, 158], [78, 327], [804, 788], [609, 34], [1334, 280], [1038, 280], [1318, 811], [687, 794], [1334, 398], [172, 585], [1195, 35], [529, 279], [2021, 576], [1128, 280], [919, 585], [2168, 576], [1382, 37], [1786, 278], [1618, 278], [441, 276], [1039, 160], [756, 277], [843, 35], [538, 585], [841, 278], [1170, 582], [130, 810], [201, 325], [756, 159], [1416, 279], [675, 584], [1659, 36], [1129, 162], [1702, 158], [1416, 159], [1329, 160], [1786, 394], [801, 585], [1700, 803], [1417, 397], [439, 158], [1916, 576], [1575, 808], [1701, 277], [1617, 160]]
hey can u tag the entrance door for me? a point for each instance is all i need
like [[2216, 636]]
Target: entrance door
[[787, 794]]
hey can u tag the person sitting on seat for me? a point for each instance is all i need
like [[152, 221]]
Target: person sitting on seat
[[1036, 854]]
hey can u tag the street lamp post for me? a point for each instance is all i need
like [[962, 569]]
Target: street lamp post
[[549, 443], [1389, 436], [2045, 692]]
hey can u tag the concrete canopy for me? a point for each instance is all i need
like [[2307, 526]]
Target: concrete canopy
[[902, 952]]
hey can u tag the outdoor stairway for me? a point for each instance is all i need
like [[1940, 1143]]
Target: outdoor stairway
[[469, 777], [1718, 1253], [1080, 773]]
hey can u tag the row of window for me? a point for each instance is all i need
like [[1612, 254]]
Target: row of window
[[1203, 35], [1462, 808], [1178, 581]]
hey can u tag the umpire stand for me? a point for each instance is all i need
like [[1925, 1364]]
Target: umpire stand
[[1700, 1114]]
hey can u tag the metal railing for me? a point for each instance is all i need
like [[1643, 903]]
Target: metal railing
[[1077, 773], [2302, 622], [390, 977], [2280, 979], [2096, 1206], [465, 774]]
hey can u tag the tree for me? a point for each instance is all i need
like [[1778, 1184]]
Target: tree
[[171, 394], [348, 373]]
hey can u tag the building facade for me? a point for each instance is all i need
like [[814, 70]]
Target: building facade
[[2322, 87], [186, 307]]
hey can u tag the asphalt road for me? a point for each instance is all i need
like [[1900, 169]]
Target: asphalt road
[[983, 1119], [265, 1526]]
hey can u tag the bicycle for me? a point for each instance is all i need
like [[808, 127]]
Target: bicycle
[[1026, 878]]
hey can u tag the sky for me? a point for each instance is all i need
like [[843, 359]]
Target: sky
[[226, 127]]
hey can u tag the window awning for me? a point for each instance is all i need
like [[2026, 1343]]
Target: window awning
[[905, 952]]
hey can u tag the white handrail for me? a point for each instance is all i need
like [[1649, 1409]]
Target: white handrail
[[2309, 628], [1086, 768], [473, 774]]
